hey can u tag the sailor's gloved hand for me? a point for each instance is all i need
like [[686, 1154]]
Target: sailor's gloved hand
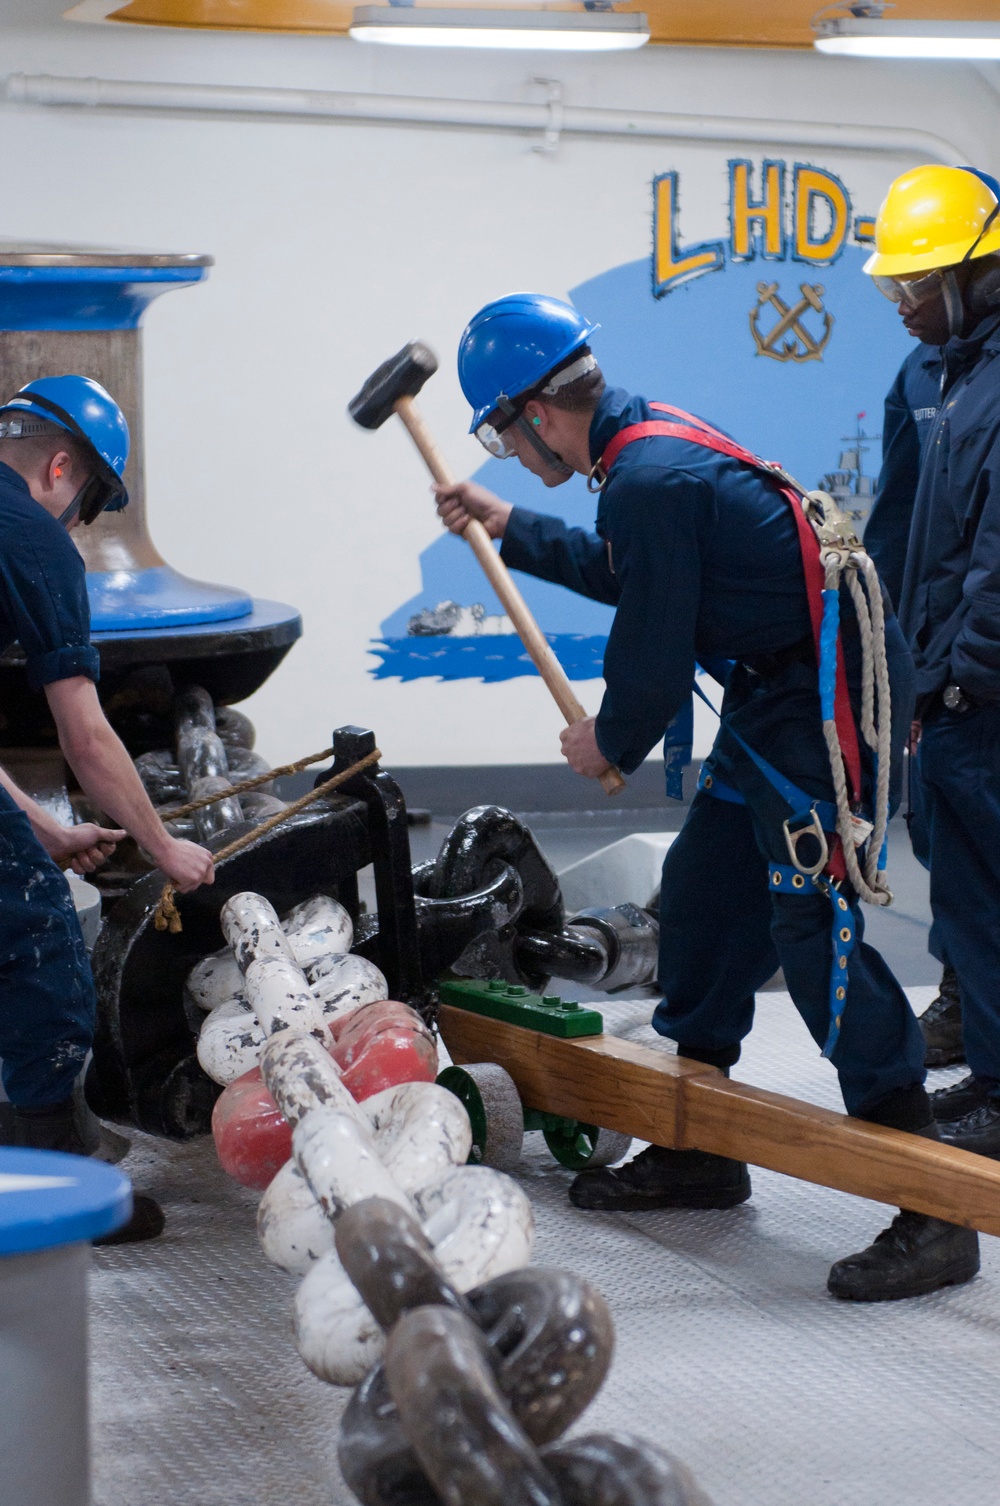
[[82, 848], [466, 499], [580, 750], [185, 864]]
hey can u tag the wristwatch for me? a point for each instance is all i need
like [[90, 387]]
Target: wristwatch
[[954, 698]]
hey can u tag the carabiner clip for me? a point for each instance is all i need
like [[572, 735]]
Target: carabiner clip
[[793, 838]]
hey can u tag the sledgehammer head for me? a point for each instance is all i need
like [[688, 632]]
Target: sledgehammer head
[[402, 375]]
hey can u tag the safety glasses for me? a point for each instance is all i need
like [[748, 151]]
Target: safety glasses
[[913, 291], [97, 494], [493, 439]]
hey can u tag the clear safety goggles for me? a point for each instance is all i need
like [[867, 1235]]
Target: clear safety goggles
[[495, 441], [911, 290], [491, 436]]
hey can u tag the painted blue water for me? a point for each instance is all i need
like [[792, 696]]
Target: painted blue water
[[494, 658], [693, 348]]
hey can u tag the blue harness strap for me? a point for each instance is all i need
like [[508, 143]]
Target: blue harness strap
[[801, 804], [713, 785], [784, 878]]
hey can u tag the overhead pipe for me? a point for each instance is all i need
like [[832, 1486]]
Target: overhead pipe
[[551, 117]]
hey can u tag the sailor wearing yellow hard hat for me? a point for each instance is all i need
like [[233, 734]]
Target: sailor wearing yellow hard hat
[[937, 255], [935, 224]]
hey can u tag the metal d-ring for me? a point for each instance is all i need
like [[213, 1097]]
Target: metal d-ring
[[792, 839], [597, 473]]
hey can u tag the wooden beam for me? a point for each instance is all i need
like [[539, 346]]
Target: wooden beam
[[688, 1106]]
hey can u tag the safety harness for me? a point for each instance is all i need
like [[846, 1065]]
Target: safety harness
[[831, 553]]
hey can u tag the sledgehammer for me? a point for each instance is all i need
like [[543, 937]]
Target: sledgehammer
[[391, 389]]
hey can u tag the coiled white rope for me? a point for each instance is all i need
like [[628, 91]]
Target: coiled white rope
[[876, 877], [876, 721]]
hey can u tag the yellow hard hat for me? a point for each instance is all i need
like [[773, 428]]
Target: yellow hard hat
[[934, 217]]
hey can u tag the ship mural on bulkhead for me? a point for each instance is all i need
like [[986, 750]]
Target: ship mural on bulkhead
[[773, 333]]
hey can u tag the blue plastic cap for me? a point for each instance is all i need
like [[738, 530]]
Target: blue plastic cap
[[512, 343], [47, 1200]]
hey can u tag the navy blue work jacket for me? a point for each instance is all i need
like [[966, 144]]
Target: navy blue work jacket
[[43, 590], [950, 603], [699, 555], [910, 410]]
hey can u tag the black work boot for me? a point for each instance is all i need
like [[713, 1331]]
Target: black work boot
[[978, 1130], [101, 1142], [95, 1138], [659, 1178], [52, 1127], [147, 1222], [941, 1024], [917, 1253], [962, 1097], [55, 1127]]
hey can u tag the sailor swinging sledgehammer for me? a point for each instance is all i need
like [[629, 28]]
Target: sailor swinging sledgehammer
[[711, 556]]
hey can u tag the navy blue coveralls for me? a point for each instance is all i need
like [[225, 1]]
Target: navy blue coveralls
[[911, 407], [700, 557], [46, 991], [950, 614]]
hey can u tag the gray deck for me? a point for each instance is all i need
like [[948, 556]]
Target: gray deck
[[730, 1352]]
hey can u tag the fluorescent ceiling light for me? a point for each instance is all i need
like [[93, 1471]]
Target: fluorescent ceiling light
[[549, 30], [852, 36]]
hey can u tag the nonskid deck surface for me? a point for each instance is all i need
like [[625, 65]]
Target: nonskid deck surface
[[729, 1351]]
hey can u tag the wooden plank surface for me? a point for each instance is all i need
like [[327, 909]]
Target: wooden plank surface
[[689, 1106]]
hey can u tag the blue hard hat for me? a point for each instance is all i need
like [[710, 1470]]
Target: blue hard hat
[[84, 408], [512, 343]]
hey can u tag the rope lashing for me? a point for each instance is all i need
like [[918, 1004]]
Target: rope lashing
[[168, 918], [245, 787]]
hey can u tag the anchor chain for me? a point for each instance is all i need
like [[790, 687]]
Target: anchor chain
[[511, 1365], [416, 1288]]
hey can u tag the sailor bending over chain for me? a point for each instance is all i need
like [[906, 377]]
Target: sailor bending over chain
[[63, 448], [710, 556]]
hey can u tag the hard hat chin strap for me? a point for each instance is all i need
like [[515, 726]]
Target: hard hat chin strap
[[515, 413], [953, 303], [552, 460]]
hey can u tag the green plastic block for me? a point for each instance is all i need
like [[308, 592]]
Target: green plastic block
[[516, 1005]]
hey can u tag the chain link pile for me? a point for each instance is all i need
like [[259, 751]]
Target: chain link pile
[[468, 1366]]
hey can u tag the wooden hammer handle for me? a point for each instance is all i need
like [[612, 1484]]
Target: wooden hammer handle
[[501, 580]]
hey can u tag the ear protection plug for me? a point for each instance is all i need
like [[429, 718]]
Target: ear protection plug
[[536, 422], [58, 470]]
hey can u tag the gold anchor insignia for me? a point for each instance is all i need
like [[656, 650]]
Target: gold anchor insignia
[[802, 346]]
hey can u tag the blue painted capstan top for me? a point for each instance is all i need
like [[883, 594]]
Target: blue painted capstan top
[[84, 288]]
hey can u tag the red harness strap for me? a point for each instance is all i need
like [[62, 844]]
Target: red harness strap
[[696, 431]]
